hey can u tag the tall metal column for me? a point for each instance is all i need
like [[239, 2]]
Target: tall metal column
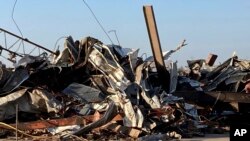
[[163, 74]]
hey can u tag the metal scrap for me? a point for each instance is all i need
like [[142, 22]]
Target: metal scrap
[[93, 88]]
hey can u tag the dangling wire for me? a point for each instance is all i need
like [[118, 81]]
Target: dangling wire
[[32, 50], [97, 20], [12, 16], [115, 36], [63, 37]]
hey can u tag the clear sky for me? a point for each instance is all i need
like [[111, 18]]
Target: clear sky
[[216, 26]]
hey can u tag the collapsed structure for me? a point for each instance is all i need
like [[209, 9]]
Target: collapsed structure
[[96, 88], [90, 90]]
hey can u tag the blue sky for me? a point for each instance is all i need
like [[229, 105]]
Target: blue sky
[[211, 26]]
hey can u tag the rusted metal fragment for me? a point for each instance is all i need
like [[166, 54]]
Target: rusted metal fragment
[[76, 120], [247, 87], [41, 124], [211, 59], [107, 117]]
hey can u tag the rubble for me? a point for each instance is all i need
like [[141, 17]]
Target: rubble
[[92, 80], [87, 93], [90, 90]]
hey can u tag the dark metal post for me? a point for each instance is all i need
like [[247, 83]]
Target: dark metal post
[[163, 74]]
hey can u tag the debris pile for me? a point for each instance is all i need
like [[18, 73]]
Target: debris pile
[[90, 90], [93, 88], [93, 91]]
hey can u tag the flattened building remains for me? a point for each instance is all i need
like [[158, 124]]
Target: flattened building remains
[[93, 91]]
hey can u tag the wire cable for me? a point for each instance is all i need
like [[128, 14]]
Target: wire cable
[[32, 50], [63, 37], [97, 20], [12, 16], [115, 36]]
